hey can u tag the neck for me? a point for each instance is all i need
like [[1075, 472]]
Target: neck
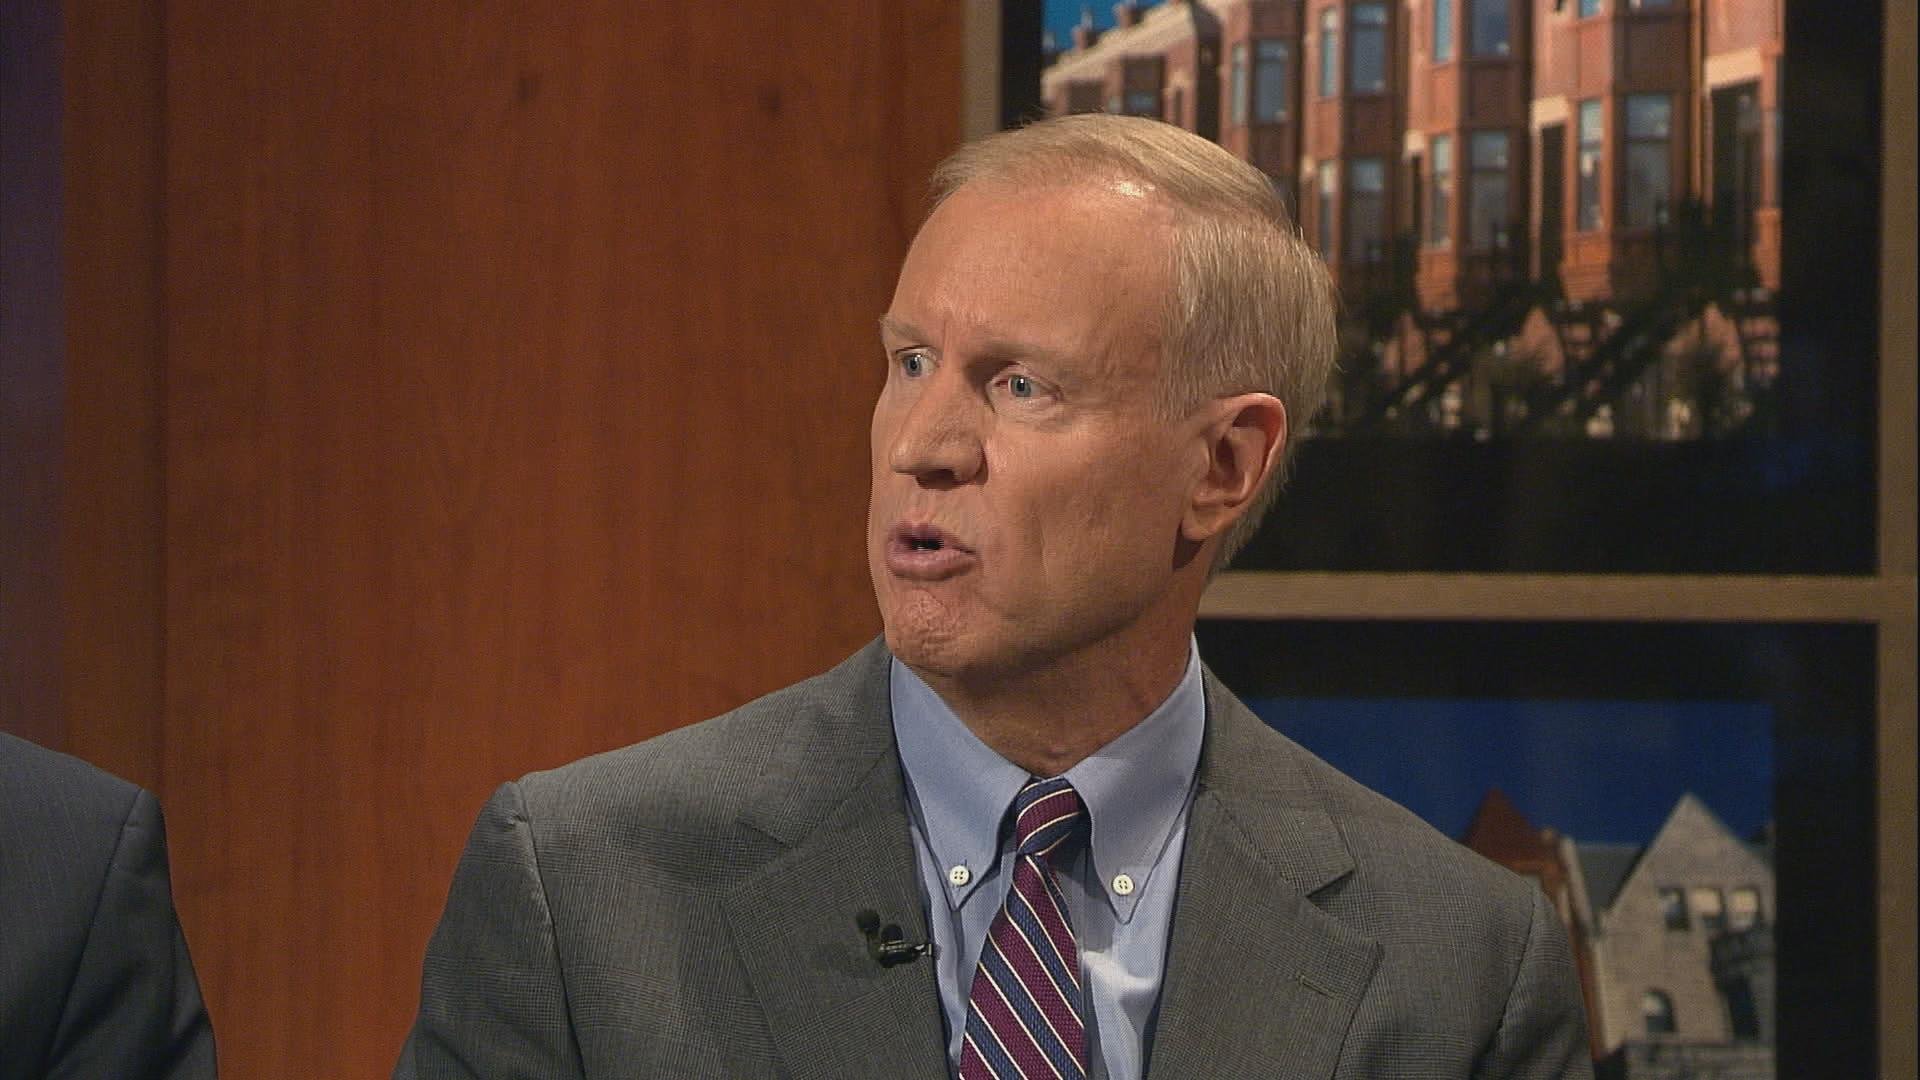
[[1049, 718]]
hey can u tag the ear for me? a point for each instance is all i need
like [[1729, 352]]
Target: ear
[[1244, 435]]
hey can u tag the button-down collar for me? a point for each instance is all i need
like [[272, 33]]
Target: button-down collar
[[1134, 788]]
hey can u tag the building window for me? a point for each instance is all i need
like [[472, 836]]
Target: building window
[[1673, 909], [1487, 172], [1368, 28], [1773, 130], [1329, 189], [1330, 52], [1490, 30], [1749, 129], [1440, 191], [1237, 86], [1271, 61], [1743, 1013], [1442, 31], [1083, 96], [1366, 209], [1592, 140], [1657, 1008], [1649, 159], [1709, 907], [1743, 908], [1589, 8]]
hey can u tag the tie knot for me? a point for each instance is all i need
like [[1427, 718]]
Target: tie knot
[[1046, 813]]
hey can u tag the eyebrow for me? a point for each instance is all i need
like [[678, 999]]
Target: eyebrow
[[994, 348], [897, 328]]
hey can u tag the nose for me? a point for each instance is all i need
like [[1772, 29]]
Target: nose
[[936, 438]]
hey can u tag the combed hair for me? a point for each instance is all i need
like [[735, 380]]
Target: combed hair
[[1252, 307]]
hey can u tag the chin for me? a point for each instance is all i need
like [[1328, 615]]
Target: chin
[[919, 642], [925, 636]]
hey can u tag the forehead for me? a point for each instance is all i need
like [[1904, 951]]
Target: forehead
[[1068, 266]]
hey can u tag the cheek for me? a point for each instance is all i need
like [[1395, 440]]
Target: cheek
[[1129, 506], [1097, 513]]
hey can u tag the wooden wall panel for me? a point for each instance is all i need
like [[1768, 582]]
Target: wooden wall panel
[[31, 391], [113, 489], [517, 366]]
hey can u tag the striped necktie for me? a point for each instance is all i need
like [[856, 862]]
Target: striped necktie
[[1024, 1012]]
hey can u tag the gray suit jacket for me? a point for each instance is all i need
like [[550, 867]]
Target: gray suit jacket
[[94, 975], [686, 907]]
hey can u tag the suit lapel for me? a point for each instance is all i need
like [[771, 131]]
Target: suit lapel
[[831, 1009], [1260, 981]]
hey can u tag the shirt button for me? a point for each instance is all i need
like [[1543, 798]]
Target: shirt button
[[1123, 885], [958, 876]]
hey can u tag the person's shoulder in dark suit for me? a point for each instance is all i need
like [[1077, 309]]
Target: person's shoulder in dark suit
[[95, 980], [618, 865]]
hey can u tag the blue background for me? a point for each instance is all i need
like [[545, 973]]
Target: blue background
[[1061, 17], [1598, 771]]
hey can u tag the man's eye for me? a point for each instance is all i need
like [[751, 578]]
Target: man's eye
[[1020, 386], [913, 365]]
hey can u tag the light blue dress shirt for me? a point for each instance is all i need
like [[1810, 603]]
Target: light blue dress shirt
[[1119, 891]]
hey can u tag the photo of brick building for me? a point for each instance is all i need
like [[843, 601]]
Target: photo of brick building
[[1548, 218], [1673, 938]]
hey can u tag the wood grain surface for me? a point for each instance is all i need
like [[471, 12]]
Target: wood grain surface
[[468, 388], [113, 488]]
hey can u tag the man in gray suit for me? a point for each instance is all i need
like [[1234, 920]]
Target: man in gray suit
[[95, 980], [1026, 834]]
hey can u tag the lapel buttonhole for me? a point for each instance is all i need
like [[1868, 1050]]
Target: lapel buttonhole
[[1307, 981]]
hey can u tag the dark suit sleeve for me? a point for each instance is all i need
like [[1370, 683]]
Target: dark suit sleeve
[[492, 1001], [134, 1008], [1543, 1032]]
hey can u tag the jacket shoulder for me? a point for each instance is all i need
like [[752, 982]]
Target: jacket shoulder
[[786, 755], [1382, 832], [53, 800], [62, 822], [1404, 872]]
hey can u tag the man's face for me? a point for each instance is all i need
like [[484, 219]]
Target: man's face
[[1027, 500]]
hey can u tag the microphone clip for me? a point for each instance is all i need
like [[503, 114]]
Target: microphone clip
[[884, 943]]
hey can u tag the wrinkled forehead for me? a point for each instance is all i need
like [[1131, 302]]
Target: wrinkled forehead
[[1042, 177], [1080, 273], [1055, 243], [1082, 226]]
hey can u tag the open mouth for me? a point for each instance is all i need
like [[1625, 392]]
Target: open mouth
[[926, 553], [923, 542]]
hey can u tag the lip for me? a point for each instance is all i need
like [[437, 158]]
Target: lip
[[926, 552]]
